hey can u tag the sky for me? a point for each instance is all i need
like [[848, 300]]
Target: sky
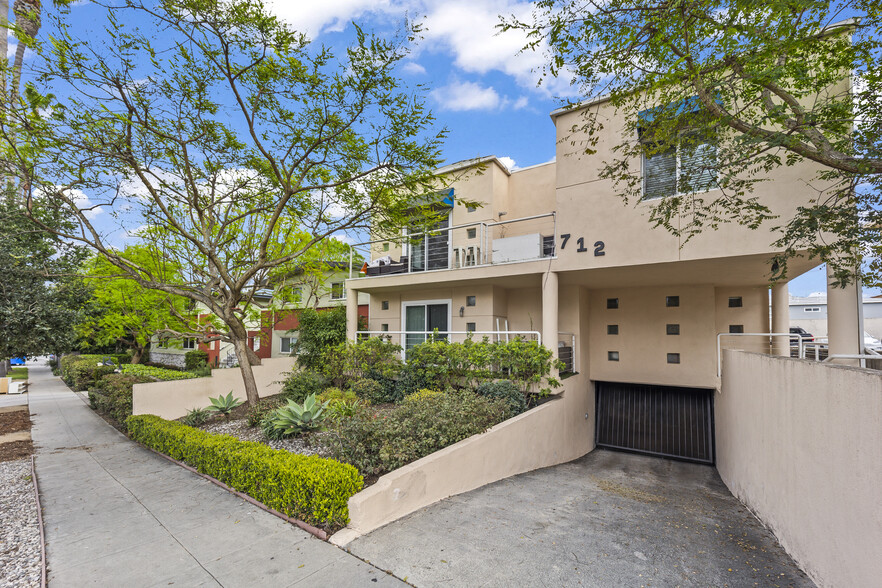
[[481, 87]]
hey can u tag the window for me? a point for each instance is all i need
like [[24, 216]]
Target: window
[[424, 317], [384, 327], [548, 246], [470, 209], [612, 329], [673, 358], [812, 309], [287, 344], [735, 302], [384, 305], [612, 302], [612, 355], [672, 301], [338, 291], [385, 247], [685, 168], [189, 343], [672, 329], [254, 343], [470, 327], [736, 328], [471, 301], [471, 233], [162, 343]]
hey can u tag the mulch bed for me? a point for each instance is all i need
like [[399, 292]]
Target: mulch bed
[[16, 420], [15, 450]]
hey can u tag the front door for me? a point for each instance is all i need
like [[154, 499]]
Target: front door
[[422, 318]]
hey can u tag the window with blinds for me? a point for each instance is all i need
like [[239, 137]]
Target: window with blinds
[[685, 168]]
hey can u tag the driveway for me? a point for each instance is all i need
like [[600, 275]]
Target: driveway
[[607, 519]]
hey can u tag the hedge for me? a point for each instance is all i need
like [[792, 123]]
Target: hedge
[[307, 487], [146, 371], [112, 396], [195, 359], [82, 371]]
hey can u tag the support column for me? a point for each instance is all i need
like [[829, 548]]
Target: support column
[[844, 325], [550, 307], [781, 319], [351, 313]]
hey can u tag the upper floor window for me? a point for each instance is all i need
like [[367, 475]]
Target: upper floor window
[[338, 291], [189, 343]]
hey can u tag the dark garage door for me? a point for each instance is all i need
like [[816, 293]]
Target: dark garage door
[[658, 420]]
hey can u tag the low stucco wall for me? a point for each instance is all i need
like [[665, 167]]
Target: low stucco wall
[[800, 443], [172, 400], [550, 434]]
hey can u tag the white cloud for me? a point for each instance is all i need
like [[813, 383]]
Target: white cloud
[[83, 203], [507, 162], [314, 18], [13, 47], [414, 68], [461, 96]]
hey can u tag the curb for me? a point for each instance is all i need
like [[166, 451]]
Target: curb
[[40, 523], [314, 531]]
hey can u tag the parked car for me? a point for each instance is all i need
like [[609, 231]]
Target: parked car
[[806, 336], [872, 343], [18, 360]]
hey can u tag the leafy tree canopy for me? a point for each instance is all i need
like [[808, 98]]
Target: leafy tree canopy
[[771, 83]]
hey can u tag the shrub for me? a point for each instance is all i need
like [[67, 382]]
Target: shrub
[[195, 359], [196, 417], [338, 410], [80, 372], [507, 391], [202, 371], [298, 385], [112, 396], [422, 395], [256, 412], [412, 430], [310, 488], [337, 395], [224, 404], [155, 373], [372, 391], [350, 361], [318, 332], [294, 418]]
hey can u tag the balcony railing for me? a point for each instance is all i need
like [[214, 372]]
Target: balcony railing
[[470, 245]]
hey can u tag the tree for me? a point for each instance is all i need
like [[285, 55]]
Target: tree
[[769, 84], [226, 142], [124, 312], [41, 297]]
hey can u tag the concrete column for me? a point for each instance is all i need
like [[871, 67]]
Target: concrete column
[[351, 313], [844, 326], [780, 319], [550, 305]]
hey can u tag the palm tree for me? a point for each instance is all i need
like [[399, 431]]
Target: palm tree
[[28, 20]]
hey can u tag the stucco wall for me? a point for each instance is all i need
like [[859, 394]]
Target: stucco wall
[[172, 400], [800, 443], [553, 433], [174, 357]]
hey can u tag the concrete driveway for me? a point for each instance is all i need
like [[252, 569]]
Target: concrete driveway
[[607, 519]]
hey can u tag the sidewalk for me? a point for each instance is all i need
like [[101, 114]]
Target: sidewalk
[[116, 514]]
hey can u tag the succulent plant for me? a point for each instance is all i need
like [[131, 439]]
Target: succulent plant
[[224, 404], [294, 418]]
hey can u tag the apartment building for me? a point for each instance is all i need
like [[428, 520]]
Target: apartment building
[[554, 255]]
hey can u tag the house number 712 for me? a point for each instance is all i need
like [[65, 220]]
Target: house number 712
[[598, 245]]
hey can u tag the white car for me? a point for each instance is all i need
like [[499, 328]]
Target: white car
[[872, 343]]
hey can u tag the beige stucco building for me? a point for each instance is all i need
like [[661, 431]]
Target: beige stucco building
[[554, 254]]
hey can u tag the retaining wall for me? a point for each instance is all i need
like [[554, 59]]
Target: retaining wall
[[172, 400], [800, 443]]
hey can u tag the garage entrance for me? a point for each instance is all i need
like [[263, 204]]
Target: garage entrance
[[667, 421]]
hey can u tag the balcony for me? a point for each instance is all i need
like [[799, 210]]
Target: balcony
[[469, 245]]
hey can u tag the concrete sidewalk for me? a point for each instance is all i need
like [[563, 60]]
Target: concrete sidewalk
[[116, 514]]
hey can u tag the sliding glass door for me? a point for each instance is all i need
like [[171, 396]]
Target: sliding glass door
[[423, 317]]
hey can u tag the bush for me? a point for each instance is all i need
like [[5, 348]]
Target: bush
[[195, 359], [507, 391], [337, 395], [256, 412], [295, 418], [373, 391], [318, 332], [196, 417], [413, 429], [422, 395], [155, 373], [80, 372], [350, 361], [309, 488], [112, 396], [298, 385]]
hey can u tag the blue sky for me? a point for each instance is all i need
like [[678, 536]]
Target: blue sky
[[479, 86]]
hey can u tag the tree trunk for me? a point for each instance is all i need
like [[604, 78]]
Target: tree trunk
[[28, 18], [137, 354], [4, 366], [245, 363], [4, 44]]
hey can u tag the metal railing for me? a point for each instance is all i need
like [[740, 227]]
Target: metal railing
[[474, 244], [800, 354], [567, 354]]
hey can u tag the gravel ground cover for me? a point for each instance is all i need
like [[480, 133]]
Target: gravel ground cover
[[240, 430], [19, 531]]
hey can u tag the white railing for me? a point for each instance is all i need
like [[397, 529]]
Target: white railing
[[403, 336], [474, 244], [801, 347]]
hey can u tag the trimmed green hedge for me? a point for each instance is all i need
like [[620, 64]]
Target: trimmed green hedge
[[146, 371], [112, 396], [82, 371], [306, 487]]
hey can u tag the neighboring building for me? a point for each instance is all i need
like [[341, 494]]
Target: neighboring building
[[810, 313], [276, 332], [555, 252]]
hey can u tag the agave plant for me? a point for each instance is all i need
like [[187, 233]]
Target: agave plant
[[224, 404], [294, 418], [196, 417]]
